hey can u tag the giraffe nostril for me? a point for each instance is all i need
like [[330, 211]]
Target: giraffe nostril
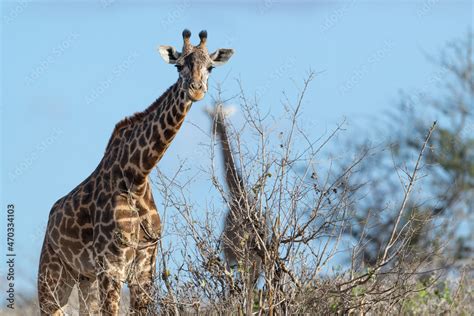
[[195, 85]]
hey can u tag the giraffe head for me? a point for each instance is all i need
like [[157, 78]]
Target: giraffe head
[[194, 63]]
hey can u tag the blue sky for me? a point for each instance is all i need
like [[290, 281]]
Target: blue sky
[[71, 70]]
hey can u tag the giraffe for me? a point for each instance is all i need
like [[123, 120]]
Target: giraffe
[[242, 224], [105, 231]]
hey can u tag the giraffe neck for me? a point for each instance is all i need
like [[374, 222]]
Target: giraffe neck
[[233, 178], [139, 142]]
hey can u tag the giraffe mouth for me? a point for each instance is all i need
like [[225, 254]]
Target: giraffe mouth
[[196, 95]]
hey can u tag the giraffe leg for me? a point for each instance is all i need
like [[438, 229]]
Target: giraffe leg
[[141, 297], [88, 296], [55, 283], [141, 282], [110, 287]]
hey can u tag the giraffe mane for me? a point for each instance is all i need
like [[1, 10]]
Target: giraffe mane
[[135, 118]]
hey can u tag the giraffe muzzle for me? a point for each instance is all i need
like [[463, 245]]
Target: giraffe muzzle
[[196, 91]]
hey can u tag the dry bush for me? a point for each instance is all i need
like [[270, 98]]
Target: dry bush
[[296, 223]]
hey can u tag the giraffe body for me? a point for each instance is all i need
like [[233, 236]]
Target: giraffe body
[[105, 231]]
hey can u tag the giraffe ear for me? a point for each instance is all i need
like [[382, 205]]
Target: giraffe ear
[[221, 56], [169, 54]]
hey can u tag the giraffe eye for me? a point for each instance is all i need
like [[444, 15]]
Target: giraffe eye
[[209, 69]]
